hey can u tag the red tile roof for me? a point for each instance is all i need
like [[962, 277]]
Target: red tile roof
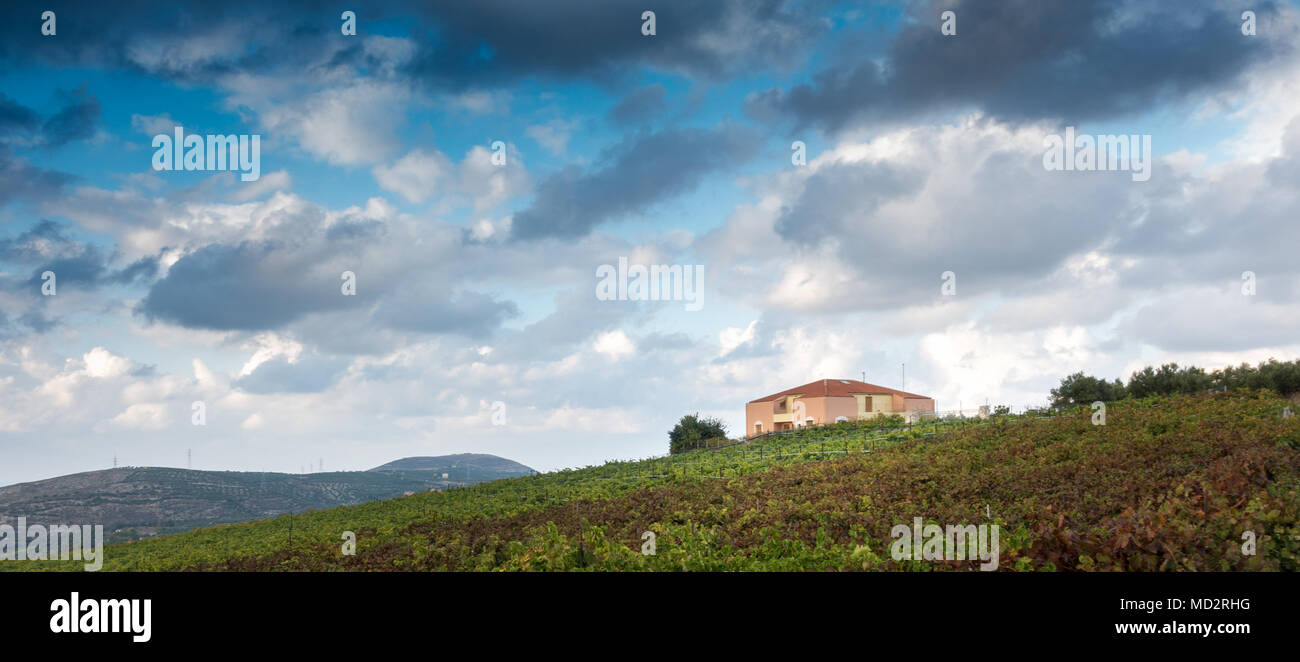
[[823, 388]]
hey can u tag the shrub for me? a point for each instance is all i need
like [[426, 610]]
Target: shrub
[[695, 432]]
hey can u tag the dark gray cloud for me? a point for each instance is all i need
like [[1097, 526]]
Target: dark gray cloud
[[47, 247], [16, 119], [271, 284], [459, 44], [639, 105], [21, 127], [75, 121], [836, 197], [20, 180], [480, 41], [355, 230], [1068, 60], [641, 170], [251, 286]]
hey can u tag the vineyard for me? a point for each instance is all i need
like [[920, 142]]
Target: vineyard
[[1165, 484]]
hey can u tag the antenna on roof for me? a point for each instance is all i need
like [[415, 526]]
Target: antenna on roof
[[864, 375]]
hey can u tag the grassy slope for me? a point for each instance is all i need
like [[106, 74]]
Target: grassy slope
[[1166, 484], [135, 502]]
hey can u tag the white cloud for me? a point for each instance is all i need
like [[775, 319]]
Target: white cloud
[[143, 416], [153, 125], [103, 364], [614, 344], [416, 176]]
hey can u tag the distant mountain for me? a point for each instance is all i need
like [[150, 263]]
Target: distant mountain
[[140, 502], [473, 467]]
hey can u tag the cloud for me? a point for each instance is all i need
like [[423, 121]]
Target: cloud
[[498, 40], [428, 310], [47, 247], [268, 183], [416, 176], [553, 136], [152, 125], [280, 375], [250, 286], [20, 180], [1028, 60], [143, 416], [75, 121], [16, 120], [640, 104], [344, 124], [643, 169]]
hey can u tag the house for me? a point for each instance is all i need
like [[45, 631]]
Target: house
[[829, 401]]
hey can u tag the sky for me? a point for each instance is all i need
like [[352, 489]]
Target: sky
[[468, 168]]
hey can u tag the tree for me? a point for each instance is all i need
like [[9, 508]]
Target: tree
[[1169, 379], [695, 432], [1081, 389]]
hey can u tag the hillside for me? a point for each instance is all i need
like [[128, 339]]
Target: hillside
[[1167, 484], [138, 502], [466, 467]]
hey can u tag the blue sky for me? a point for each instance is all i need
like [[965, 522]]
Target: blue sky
[[476, 281]]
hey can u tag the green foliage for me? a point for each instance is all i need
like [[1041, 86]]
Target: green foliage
[[1281, 377], [1081, 389], [1168, 380], [694, 432]]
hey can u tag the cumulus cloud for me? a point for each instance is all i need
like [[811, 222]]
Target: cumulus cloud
[[416, 176]]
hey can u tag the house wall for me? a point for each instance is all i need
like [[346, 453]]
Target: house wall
[[758, 412], [918, 404], [836, 407], [882, 405], [825, 410]]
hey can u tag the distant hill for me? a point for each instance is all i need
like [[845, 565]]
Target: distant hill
[[473, 467], [141, 502]]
